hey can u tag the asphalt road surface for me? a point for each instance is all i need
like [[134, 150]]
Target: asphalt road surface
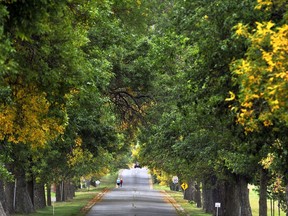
[[134, 198]]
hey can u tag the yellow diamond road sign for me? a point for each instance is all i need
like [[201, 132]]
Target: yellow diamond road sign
[[184, 186]]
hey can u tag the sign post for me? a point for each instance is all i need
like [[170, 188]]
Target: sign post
[[184, 186], [53, 199], [175, 179], [217, 205]]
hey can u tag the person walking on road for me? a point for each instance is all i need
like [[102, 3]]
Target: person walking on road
[[118, 182], [121, 182]]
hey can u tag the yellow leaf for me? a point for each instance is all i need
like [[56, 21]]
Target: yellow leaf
[[266, 162], [232, 96], [241, 30]]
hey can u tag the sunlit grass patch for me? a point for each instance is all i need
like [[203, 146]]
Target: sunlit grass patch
[[82, 198]]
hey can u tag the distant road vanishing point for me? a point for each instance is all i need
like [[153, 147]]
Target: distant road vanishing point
[[135, 198]]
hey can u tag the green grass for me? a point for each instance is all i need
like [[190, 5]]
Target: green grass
[[189, 208], [73, 207], [70, 208], [192, 210], [254, 202]]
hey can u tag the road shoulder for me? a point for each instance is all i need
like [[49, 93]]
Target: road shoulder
[[93, 201], [172, 201]]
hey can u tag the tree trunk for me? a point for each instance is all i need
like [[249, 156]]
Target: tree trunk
[[209, 186], [70, 190], [237, 198], [64, 191], [218, 195], [231, 205], [2, 199], [189, 192], [9, 197], [2, 194], [263, 193], [30, 189], [59, 192], [244, 195], [286, 191], [198, 196], [73, 190], [39, 196], [2, 212], [174, 187], [207, 199], [67, 188], [48, 190], [23, 201]]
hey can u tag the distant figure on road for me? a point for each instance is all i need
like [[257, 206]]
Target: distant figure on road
[[118, 181], [137, 165], [121, 182]]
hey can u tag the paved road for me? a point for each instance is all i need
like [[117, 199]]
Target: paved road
[[135, 198]]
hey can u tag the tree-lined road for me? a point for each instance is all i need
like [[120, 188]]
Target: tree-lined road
[[135, 198]]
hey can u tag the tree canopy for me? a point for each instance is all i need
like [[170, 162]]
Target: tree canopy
[[198, 85]]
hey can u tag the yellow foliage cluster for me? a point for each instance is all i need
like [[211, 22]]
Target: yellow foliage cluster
[[26, 120], [135, 151], [264, 3], [139, 2], [163, 177], [263, 78], [269, 4], [277, 186], [76, 152], [78, 155], [266, 162]]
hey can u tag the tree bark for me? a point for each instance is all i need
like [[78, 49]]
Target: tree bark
[[218, 195], [39, 196], [263, 193], [286, 191], [244, 195], [232, 195], [23, 201], [48, 190], [2, 199], [30, 189], [69, 190], [2, 194], [9, 197], [2, 212], [198, 196], [188, 193], [237, 198], [209, 186], [207, 199], [65, 191], [174, 187], [59, 192]]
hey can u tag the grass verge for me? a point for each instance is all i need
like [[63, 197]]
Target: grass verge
[[82, 198], [189, 208], [254, 202]]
